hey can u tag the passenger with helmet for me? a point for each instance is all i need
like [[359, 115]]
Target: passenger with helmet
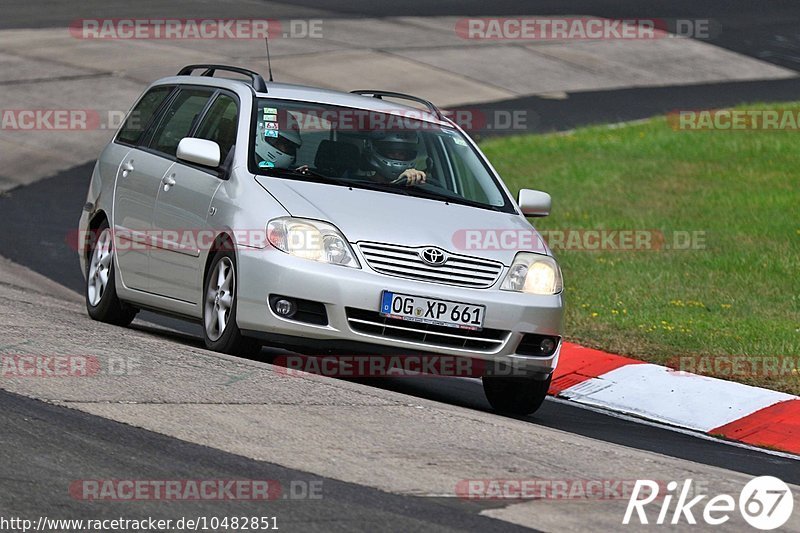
[[279, 149], [391, 157]]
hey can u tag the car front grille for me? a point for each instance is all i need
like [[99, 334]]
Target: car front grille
[[405, 262], [372, 323]]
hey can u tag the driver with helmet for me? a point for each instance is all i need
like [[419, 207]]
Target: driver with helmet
[[391, 157]]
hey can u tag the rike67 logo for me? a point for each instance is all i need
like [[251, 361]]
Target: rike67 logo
[[765, 503]]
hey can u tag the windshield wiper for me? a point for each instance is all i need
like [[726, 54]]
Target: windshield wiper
[[451, 198], [312, 175], [417, 192], [307, 173], [372, 185]]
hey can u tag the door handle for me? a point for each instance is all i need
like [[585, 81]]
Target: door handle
[[127, 168], [168, 181]]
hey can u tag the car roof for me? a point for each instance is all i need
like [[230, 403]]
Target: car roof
[[289, 91]]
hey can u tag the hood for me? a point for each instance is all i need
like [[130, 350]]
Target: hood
[[366, 215]]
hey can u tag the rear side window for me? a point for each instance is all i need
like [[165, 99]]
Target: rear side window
[[219, 124], [140, 116], [178, 119]]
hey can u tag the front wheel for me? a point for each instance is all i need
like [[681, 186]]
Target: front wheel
[[516, 395], [220, 331], [102, 303]]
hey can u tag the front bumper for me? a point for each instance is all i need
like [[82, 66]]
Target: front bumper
[[265, 272]]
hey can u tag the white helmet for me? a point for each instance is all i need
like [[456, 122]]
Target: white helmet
[[278, 148]]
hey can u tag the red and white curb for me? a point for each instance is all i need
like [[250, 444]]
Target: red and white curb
[[738, 412]]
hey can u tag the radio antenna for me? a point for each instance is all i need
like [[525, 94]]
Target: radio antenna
[[269, 61]]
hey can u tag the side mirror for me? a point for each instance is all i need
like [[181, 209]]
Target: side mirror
[[534, 203], [199, 151]]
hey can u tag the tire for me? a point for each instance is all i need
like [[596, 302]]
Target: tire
[[515, 395], [100, 290], [220, 332]]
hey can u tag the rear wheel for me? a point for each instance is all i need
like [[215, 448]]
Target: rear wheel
[[220, 331], [516, 395], [102, 303]]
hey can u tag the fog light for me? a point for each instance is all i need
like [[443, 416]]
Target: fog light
[[284, 308], [538, 345], [547, 345]]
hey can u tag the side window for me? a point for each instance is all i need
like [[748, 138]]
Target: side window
[[138, 119], [178, 119], [219, 124]]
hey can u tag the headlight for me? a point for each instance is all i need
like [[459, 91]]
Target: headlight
[[311, 239], [534, 274]]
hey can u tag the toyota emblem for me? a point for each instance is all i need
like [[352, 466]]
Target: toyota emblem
[[433, 256]]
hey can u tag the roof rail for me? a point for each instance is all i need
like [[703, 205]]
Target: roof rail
[[256, 80], [380, 94]]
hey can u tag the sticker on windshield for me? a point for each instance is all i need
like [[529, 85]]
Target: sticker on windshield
[[271, 118], [271, 125], [266, 164], [270, 133], [459, 141], [270, 111]]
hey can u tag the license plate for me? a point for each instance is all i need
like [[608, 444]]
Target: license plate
[[432, 311]]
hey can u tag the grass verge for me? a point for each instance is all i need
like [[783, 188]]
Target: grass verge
[[719, 294]]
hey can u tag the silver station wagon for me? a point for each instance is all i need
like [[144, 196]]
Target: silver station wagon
[[324, 222]]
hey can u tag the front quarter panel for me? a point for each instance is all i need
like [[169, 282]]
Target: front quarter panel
[[100, 197], [242, 208]]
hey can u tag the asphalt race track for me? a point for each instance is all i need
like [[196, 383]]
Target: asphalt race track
[[51, 446]]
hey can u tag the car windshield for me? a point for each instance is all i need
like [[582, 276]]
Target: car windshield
[[392, 152]]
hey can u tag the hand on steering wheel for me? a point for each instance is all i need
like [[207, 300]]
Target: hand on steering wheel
[[412, 177]]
